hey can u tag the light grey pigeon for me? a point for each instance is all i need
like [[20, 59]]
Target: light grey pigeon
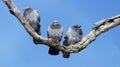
[[73, 35], [54, 32], [33, 17]]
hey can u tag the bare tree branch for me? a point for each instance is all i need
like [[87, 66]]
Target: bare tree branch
[[104, 27]]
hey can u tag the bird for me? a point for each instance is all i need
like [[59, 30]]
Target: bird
[[99, 23], [55, 33], [72, 36], [33, 17]]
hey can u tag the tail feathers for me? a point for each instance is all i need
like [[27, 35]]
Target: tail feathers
[[66, 55], [35, 41], [53, 51]]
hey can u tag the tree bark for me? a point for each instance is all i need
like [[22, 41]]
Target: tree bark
[[90, 37]]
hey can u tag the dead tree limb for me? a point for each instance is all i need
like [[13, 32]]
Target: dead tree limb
[[90, 37]]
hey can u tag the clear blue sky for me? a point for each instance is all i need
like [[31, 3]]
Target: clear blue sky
[[18, 50]]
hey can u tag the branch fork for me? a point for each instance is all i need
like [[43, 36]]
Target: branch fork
[[89, 38]]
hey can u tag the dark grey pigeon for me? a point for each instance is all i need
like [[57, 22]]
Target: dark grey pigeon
[[33, 17], [73, 35], [54, 32]]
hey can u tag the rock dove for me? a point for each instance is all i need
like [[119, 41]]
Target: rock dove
[[73, 35], [54, 32], [33, 17]]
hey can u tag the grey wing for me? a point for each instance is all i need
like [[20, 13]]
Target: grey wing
[[38, 17], [80, 32], [65, 41], [48, 34], [38, 28], [38, 22]]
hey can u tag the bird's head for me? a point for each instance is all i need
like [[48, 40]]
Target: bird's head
[[77, 26], [27, 9], [55, 23]]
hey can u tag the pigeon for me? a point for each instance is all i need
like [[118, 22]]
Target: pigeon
[[33, 17], [55, 33], [73, 35]]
